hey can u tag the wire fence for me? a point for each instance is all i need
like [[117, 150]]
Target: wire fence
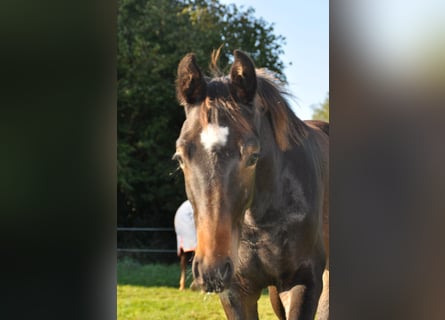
[[146, 250]]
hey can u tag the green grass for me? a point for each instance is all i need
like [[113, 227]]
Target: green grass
[[151, 292]]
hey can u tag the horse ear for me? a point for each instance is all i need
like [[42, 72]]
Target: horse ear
[[190, 83], [243, 77]]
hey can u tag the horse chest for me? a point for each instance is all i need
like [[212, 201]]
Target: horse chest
[[264, 253]]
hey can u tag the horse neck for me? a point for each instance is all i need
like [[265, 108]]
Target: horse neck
[[269, 173], [281, 172]]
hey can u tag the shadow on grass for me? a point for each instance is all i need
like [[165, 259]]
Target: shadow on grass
[[130, 272]]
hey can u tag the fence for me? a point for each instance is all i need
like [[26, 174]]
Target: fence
[[146, 250]]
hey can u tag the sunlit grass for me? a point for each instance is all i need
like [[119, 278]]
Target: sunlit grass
[[151, 292]]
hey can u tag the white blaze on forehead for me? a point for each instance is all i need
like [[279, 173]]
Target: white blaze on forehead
[[213, 136]]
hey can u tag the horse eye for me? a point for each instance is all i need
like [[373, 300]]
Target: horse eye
[[178, 158], [253, 159]]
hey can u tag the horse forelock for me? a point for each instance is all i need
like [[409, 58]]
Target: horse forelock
[[219, 103], [270, 99]]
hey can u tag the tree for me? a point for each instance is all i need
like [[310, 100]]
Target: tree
[[153, 35], [321, 112]]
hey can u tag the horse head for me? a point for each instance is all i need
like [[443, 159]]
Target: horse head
[[218, 150]]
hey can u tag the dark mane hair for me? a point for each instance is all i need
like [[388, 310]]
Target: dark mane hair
[[219, 100], [287, 127], [270, 100]]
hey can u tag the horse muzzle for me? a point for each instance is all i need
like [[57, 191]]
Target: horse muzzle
[[213, 277]]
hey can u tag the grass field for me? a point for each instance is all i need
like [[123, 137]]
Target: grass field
[[151, 292]]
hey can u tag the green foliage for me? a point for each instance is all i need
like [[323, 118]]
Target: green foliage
[[321, 112], [153, 35]]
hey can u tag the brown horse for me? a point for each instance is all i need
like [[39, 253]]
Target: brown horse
[[257, 177]]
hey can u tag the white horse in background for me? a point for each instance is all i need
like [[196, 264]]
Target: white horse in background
[[185, 237]]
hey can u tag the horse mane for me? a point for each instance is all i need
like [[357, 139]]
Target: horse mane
[[287, 127], [270, 100]]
